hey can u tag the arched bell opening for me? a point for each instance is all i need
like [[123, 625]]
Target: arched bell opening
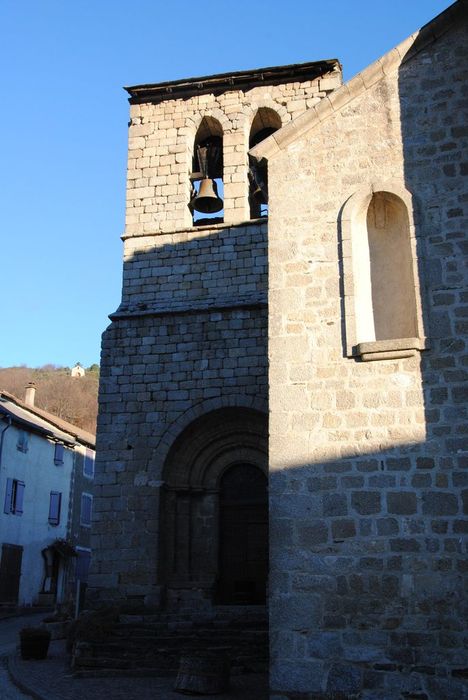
[[265, 123], [207, 190], [243, 536], [198, 509]]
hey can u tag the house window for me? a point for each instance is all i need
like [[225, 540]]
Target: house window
[[14, 497], [54, 507], [88, 464], [58, 455], [86, 509], [22, 444]]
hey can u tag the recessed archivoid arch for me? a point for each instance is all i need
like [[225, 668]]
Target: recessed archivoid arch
[[265, 123], [381, 276], [391, 273], [191, 513]]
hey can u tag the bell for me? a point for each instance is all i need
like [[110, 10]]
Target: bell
[[258, 196], [207, 200]]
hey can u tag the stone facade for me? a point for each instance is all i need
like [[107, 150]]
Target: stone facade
[[368, 459], [364, 378], [189, 338]]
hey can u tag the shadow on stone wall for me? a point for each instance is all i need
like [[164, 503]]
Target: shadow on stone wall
[[368, 552]]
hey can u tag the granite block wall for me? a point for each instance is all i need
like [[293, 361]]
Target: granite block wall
[[189, 336], [368, 459]]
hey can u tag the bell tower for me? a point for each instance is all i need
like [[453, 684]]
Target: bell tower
[[183, 394]]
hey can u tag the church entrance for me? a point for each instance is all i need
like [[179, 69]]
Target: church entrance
[[243, 536], [214, 512]]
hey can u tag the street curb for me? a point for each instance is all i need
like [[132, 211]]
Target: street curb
[[14, 673]]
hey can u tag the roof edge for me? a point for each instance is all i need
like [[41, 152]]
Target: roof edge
[[361, 82], [82, 436], [220, 82]]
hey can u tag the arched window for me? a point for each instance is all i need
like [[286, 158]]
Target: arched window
[[206, 201], [265, 123], [382, 294]]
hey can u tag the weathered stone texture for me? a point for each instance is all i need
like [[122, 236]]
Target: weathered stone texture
[[161, 144], [189, 336], [368, 485], [367, 458], [155, 370], [207, 266]]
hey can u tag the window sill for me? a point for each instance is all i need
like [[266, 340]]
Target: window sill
[[392, 349]]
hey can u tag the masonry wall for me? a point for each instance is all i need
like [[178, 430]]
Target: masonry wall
[[160, 149], [189, 336], [158, 373], [368, 459]]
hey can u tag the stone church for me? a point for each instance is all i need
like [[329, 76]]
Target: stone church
[[283, 386]]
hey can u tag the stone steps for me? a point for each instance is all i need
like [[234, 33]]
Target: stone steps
[[153, 644]]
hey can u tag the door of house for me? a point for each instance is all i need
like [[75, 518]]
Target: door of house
[[10, 572], [243, 536]]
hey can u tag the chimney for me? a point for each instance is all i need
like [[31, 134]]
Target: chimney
[[30, 394]]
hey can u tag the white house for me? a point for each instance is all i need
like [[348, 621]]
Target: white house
[[45, 466]]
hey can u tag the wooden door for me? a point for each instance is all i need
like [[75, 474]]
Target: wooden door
[[10, 573], [243, 536]]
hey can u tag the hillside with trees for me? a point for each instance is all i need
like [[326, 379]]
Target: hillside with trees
[[73, 399]]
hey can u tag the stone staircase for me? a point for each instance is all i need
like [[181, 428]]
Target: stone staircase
[[152, 644]]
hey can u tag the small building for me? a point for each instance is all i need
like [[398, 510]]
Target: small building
[[77, 371], [46, 477]]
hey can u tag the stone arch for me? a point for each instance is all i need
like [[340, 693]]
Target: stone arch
[[193, 469], [265, 122], [214, 114], [383, 316], [170, 435], [250, 110], [264, 118], [207, 171]]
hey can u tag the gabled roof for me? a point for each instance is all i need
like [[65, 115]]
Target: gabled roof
[[43, 422], [345, 94]]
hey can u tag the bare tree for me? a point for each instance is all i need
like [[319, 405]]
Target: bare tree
[[72, 398]]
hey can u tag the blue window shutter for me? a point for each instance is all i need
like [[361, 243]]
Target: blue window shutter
[[8, 496], [58, 455], [88, 467], [54, 507], [19, 497], [86, 505]]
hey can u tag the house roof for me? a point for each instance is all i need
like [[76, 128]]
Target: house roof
[[358, 85], [273, 75], [43, 422]]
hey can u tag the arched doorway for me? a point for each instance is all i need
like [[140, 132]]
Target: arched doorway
[[213, 470], [243, 536]]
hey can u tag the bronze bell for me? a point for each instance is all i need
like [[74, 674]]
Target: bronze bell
[[258, 196], [207, 200]]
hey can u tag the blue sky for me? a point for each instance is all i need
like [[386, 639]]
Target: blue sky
[[64, 132]]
